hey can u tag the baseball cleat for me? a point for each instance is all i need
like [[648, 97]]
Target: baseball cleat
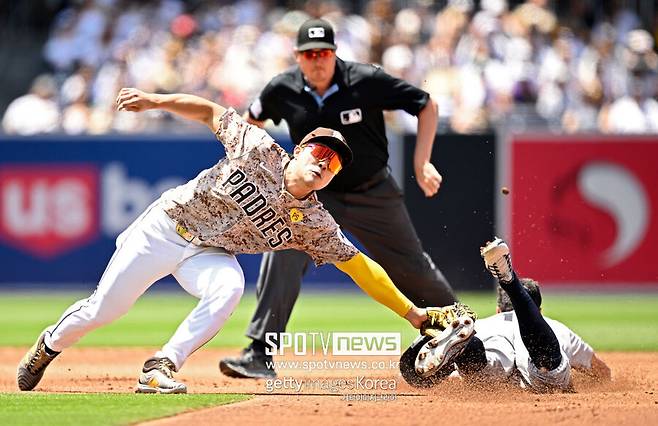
[[497, 259], [441, 350], [157, 376], [251, 364], [408, 369], [33, 365]]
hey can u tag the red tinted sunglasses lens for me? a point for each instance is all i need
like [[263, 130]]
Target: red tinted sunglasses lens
[[334, 165], [321, 152], [312, 54]]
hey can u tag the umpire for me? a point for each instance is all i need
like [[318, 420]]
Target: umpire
[[364, 199]]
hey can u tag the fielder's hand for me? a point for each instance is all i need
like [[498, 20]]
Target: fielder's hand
[[438, 319], [130, 99], [416, 316], [428, 178]]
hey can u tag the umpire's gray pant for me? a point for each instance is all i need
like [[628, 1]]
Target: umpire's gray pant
[[378, 218]]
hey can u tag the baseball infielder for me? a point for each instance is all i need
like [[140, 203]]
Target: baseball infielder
[[256, 199], [517, 344]]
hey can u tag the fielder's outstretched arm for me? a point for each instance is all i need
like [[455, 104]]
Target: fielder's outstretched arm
[[187, 106], [373, 280]]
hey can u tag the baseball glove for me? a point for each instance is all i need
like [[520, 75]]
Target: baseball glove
[[440, 318]]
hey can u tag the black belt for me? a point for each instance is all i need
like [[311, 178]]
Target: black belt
[[372, 181]]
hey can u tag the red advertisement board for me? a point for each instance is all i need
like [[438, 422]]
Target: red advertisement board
[[584, 209], [46, 210]]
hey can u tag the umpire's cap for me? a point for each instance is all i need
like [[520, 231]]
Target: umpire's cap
[[315, 34], [334, 140]]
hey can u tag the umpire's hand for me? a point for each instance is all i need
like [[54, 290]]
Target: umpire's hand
[[429, 179], [130, 99]]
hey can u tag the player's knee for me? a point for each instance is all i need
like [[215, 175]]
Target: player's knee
[[238, 285], [224, 295], [228, 286], [235, 286]]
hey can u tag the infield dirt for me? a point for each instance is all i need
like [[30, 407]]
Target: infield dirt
[[630, 399]]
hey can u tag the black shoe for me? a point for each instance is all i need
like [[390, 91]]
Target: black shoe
[[33, 365], [251, 364]]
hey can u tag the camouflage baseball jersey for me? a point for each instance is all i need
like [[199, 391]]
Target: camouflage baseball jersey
[[240, 204]]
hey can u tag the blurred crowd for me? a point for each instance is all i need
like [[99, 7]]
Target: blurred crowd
[[486, 63]]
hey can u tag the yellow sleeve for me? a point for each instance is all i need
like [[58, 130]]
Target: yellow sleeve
[[373, 280]]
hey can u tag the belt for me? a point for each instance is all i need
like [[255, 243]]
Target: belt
[[187, 236], [373, 180]]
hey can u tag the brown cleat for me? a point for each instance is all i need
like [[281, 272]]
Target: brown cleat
[[33, 365]]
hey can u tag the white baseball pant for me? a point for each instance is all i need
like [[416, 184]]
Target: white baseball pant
[[148, 250]]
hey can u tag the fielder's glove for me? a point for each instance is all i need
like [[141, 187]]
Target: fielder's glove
[[438, 319]]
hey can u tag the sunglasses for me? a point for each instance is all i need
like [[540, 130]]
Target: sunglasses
[[312, 54], [322, 152]]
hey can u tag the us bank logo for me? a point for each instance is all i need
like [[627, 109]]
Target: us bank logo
[[585, 212], [50, 209], [47, 210]]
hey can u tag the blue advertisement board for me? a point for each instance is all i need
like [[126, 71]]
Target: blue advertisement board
[[63, 202]]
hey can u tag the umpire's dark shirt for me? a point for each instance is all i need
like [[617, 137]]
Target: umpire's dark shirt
[[355, 109]]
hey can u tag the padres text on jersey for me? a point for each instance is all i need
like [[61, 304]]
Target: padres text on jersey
[[240, 204], [257, 210]]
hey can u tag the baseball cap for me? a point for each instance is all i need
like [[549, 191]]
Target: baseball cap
[[332, 139], [315, 34]]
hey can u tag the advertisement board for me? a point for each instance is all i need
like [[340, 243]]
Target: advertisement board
[[583, 210], [63, 202]]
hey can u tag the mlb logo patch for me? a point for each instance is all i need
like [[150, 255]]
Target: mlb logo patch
[[316, 32], [351, 116]]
